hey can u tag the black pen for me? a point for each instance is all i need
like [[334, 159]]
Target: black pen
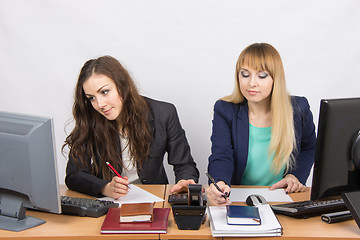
[[217, 187]]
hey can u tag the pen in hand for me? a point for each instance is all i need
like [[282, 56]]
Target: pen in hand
[[217, 187], [112, 169]]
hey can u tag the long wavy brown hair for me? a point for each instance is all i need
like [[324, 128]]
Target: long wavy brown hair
[[94, 136]]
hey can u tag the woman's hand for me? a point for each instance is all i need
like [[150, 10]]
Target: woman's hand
[[181, 186], [215, 197], [116, 188], [291, 183]]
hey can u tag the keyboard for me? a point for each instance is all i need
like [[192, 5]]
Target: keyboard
[[85, 207], [305, 209]]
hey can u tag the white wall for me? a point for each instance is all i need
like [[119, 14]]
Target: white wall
[[181, 51]]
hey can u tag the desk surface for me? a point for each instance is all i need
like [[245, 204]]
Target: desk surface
[[72, 227]]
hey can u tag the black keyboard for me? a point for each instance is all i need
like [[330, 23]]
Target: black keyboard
[[309, 208], [85, 207]]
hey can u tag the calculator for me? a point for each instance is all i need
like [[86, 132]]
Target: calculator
[[182, 199], [178, 199]]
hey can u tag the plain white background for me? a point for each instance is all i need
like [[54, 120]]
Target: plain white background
[[181, 51]]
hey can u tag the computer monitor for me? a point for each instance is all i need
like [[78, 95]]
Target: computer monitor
[[28, 170], [337, 157]]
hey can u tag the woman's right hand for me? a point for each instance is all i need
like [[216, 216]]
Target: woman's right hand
[[215, 197], [116, 188]]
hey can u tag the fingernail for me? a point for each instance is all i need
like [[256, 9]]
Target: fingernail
[[287, 192], [226, 193]]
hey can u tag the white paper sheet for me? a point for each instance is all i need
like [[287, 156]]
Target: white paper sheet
[[270, 226], [135, 195], [277, 195]]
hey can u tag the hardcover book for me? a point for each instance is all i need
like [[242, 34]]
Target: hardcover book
[[242, 215], [112, 224], [136, 212]]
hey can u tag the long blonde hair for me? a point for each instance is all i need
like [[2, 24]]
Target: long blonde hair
[[264, 57]]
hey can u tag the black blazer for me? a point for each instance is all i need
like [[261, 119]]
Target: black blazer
[[168, 136]]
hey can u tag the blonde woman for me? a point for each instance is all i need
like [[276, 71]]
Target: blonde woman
[[261, 135]]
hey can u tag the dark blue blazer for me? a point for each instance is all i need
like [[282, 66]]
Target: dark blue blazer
[[230, 141]]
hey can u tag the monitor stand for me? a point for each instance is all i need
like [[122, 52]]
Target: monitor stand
[[12, 215], [351, 200]]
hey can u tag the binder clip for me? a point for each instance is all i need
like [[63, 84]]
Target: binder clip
[[192, 215]]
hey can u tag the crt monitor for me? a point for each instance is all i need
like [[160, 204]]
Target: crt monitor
[[337, 157], [28, 170]]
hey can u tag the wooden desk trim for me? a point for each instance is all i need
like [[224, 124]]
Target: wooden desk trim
[[89, 228]]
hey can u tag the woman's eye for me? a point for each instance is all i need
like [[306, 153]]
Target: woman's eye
[[263, 75], [244, 74], [104, 92], [90, 99]]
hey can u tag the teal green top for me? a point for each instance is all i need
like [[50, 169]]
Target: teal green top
[[258, 167]]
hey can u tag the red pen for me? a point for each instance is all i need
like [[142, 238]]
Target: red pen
[[112, 169]]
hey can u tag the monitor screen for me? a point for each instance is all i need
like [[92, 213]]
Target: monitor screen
[[28, 170], [336, 166]]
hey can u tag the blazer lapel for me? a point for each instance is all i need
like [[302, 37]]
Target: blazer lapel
[[242, 140]]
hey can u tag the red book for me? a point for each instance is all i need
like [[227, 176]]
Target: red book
[[159, 224]]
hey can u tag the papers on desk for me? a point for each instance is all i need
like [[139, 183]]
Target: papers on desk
[[270, 225], [277, 195], [135, 195]]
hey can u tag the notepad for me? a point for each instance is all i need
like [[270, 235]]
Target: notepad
[[136, 212], [242, 215]]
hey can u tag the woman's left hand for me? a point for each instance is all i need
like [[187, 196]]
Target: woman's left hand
[[291, 183], [181, 186]]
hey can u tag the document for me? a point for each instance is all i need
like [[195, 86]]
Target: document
[[135, 195], [270, 225], [277, 195]]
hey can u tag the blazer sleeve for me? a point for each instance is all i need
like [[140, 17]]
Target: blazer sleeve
[[306, 142], [178, 149], [82, 180], [221, 160]]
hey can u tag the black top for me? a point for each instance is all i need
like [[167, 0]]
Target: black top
[[168, 136]]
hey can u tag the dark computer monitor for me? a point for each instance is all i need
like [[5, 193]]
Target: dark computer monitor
[[28, 170], [337, 157]]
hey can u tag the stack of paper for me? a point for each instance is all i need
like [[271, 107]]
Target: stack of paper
[[270, 225]]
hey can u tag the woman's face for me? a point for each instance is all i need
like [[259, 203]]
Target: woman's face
[[101, 91], [256, 86]]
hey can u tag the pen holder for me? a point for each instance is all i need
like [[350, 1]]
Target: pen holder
[[191, 216]]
